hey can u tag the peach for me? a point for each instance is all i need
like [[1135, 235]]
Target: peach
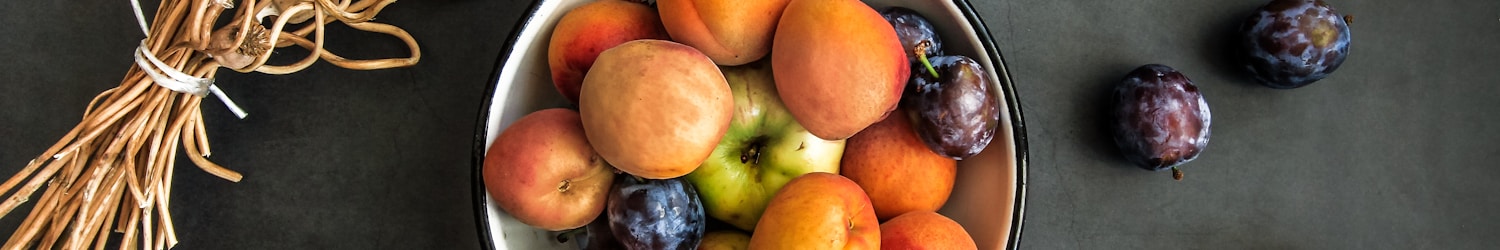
[[732, 32], [818, 211], [924, 230], [592, 28], [542, 171], [655, 109], [892, 164], [838, 65]]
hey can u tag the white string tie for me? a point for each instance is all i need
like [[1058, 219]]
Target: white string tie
[[173, 79]]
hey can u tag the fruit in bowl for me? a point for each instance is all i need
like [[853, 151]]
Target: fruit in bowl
[[544, 172], [986, 192], [725, 240], [818, 211], [950, 98], [837, 87], [655, 214], [655, 108], [732, 32], [953, 106], [924, 230], [913, 29], [593, 28], [897, 170], [763, 150]]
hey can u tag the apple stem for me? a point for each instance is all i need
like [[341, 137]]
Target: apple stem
[[921, 52], [1176, 174], [751, 156]]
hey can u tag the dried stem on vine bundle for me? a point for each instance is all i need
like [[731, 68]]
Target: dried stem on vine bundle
[[113, 171]]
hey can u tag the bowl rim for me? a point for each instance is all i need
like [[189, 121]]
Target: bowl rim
[[987, 42], [1017, 120]]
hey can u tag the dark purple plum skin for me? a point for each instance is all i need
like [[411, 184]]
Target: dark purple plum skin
[[955, 114], [912, 29], [1160, 119], [1292, 43], [655, 214]]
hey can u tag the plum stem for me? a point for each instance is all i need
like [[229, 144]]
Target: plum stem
[[921, 52], [1176, 174]]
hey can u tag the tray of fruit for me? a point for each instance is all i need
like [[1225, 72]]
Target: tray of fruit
[[779, 124]]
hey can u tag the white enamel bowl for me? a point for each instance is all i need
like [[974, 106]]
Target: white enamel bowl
[[988, 197]]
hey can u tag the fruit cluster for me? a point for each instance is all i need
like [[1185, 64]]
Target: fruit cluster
[[1162, 121], [796, 123]]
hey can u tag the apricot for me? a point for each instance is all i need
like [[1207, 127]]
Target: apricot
[[838, 64], [542, 170], [892, 164], [818, 211], [924, 230], [731, 32], [586, 31], [654, 108]]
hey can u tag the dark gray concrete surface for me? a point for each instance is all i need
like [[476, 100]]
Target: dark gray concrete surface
[[1396, 150]]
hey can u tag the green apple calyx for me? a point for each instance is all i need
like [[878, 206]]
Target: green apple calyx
[[763, 149]]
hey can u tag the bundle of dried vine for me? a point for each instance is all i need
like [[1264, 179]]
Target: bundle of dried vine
[[113, 171]]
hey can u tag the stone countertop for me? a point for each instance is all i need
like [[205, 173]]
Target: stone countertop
[[1397, 149]]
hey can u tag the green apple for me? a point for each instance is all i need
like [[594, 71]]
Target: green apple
[[764, 148]]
